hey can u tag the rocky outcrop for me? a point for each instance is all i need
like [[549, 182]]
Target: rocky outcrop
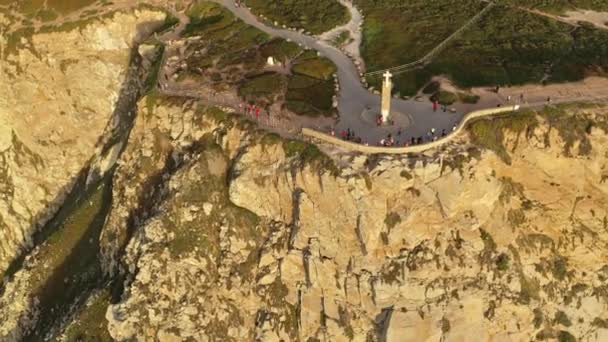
[[62, 87], [256, 237], [59, 90]]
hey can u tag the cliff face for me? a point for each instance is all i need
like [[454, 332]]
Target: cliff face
[[59, 88], [243, 235]]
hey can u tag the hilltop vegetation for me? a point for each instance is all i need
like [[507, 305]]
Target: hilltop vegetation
[[232, 54], [507, 46], [560, 6], [315, 16]]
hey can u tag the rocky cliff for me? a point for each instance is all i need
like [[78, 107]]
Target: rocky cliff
[[209, 228], [61, 88], [240, 235]]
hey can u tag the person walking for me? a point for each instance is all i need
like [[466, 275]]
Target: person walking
[[435, 105]]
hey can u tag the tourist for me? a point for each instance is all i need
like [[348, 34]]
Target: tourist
[[413, 141], [333, 132], [432, 131], [435, 105], [454, 128], [521, 97], [509, 98], [549, 100], [497, 89], [443, 134], [419, 141], [399, 132], [257, 113], [343, 135]]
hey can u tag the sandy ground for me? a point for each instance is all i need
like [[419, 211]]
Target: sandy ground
[[599, 19]]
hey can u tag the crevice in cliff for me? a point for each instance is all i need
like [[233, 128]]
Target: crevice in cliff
[[295, 224], [77, 270], [359, 232], [382, 323]]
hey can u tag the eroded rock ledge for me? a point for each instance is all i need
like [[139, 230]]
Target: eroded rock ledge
[[250, 236]]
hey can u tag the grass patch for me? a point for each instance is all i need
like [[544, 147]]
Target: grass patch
[[263, 88], [489, 133], [309, 154], [90, 323], [320, 68], [444, 97], [502, 262]]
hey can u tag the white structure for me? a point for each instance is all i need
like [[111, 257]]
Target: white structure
[[387, 87], [270, 61]]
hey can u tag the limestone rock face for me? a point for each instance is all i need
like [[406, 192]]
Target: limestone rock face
[[59, 92], [249, 241], [59, 89]]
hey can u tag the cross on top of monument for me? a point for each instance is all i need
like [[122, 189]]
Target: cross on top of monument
[[387, 76]]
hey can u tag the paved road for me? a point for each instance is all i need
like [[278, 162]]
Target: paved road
[[353, 98], [417, 117]]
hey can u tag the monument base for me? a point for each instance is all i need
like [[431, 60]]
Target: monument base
[[396, 119]]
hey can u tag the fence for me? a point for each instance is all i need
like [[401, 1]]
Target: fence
[[307, 132]]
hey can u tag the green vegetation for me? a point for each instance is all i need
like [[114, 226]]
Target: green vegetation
[[560, 6], [560, 268], [263, 88], [49, 9], [489, 133], [309, 154], [152, 78], [310, 90], [516, 217], [232, 53], [318, 68], [342, 39], [502, 262], [445, 97], [207, 184], [316, 16], [507, 46], [562, 318], [565, 336], [392, 219], [600, 323], [90, 323]]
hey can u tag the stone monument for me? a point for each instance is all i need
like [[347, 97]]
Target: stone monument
[[387, 87]]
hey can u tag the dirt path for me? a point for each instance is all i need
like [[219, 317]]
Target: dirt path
[[353, 27]]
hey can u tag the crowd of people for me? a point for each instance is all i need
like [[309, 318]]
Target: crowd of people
[[391, 141]]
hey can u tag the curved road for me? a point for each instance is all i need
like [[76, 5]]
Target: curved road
[[353, 98]]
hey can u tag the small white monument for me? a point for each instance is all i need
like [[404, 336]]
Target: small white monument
[[270, 61], [387, 88]]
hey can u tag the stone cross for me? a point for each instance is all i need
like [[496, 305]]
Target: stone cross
[[387, 87]]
